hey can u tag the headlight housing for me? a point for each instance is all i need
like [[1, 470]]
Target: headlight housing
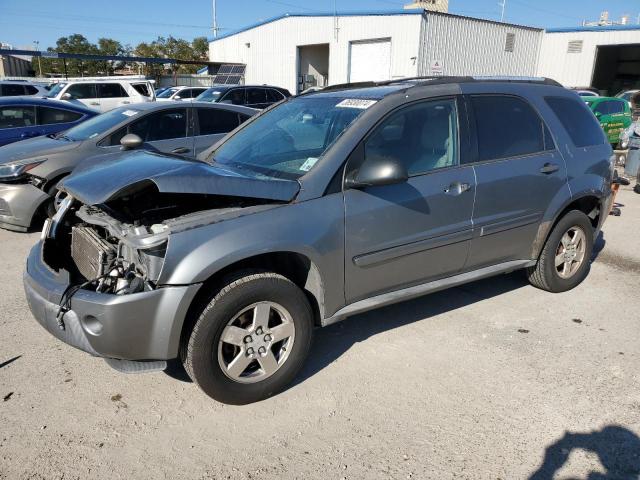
[[13, 171]]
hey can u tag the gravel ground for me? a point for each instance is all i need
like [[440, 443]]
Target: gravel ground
[[493, 380]]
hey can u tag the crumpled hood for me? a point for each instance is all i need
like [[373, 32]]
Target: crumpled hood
[[108, 177], [35, 147]]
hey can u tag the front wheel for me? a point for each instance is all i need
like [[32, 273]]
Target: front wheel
[[251, 340], [565, 259]]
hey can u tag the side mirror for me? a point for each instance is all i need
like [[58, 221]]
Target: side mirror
[[177, 97], [130, 141], [67, 96], [598, 114], [378, 172]]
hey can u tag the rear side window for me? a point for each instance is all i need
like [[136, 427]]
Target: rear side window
[[17, 117], [12, 90], [235, 97], [82, 90], [616, 107], [213, 121], [577, 120], [111, 90], [47, 116], [508, 127]]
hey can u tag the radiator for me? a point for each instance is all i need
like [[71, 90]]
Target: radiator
[[91, 254]]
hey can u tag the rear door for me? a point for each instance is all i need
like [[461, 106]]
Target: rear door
[[411, 233], [11, 90], [112, 95], [211, 125], [518, 172]]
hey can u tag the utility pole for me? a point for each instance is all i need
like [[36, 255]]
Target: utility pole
[[215, 20], [37, 44], [503, 4], [336, 28]]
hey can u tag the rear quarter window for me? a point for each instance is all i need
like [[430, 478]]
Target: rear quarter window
[[577, 120]]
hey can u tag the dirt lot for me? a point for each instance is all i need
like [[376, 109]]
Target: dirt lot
[[494, 380]]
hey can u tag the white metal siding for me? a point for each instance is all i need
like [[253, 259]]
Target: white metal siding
[[370, 60], [576, 69], [468, 46], [270, 50]]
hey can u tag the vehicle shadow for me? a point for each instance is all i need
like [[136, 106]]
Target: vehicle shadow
[[333, 341], [617, 448]]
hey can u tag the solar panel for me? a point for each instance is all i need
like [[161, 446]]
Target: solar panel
[[239, 69], [233, 79], [225, 69]]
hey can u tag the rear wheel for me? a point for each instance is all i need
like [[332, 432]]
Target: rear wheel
[[251, 339], [565, 259]]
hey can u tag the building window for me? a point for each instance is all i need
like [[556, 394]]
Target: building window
[[510, 42], [575, 46]]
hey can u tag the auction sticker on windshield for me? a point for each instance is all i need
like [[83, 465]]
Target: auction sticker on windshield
[[356, 103]]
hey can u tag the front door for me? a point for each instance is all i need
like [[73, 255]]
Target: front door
[[410, 233], [519, 172]]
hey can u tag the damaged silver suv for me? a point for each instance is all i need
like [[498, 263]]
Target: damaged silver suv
[[324, 206]]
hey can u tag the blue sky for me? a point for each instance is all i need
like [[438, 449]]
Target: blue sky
[[22, 22]]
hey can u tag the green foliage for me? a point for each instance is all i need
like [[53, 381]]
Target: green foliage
[[169, 47]]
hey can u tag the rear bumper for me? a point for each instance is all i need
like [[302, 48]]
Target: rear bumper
[[141, 326], [18, 204]]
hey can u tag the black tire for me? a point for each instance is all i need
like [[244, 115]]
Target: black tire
[[544, 274], [200, 348]]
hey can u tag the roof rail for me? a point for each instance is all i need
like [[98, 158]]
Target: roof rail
[[430, 80]]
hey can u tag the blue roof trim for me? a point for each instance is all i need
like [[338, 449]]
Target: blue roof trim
[[368, 13], [598, 28]]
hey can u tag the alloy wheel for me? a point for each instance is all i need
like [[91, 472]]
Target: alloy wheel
[[570, 253]]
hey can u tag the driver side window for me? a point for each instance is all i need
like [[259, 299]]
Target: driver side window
[[423, 137]]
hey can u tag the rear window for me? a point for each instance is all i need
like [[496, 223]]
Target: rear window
[[508, 127], [577, 120]]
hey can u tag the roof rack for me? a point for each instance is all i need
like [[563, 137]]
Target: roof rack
[[437, 80]]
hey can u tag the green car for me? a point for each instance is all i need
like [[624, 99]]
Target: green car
[[614, 114]]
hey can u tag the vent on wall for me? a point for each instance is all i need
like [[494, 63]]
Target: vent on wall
[[510, 43], [575, 46]]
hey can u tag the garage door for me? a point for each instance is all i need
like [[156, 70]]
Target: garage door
[[370, 60]]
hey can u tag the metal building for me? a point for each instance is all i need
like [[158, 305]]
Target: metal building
[[298, 51], [604, 57]]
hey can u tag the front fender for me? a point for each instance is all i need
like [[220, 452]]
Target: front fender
[[314, 229]]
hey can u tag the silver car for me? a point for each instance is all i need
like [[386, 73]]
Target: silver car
[[326, 205], [31, 169]]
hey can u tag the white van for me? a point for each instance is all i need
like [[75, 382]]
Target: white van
[[104, 95]]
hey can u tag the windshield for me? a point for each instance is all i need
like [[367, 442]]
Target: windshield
[[55, 90], [97, 125], [167, 93], [288, 141], [210, 95]]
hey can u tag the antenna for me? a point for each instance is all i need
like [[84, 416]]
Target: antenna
[[215, 20], [503, 4]]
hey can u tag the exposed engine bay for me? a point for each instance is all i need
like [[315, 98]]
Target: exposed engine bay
[[119, 247]]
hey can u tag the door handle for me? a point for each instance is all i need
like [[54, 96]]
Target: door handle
[[126, 102], [181, 150], [457, 188], [549, 168], [94, 103]]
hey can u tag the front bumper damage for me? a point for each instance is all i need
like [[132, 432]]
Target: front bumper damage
[[139, 327], [18, 204]]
